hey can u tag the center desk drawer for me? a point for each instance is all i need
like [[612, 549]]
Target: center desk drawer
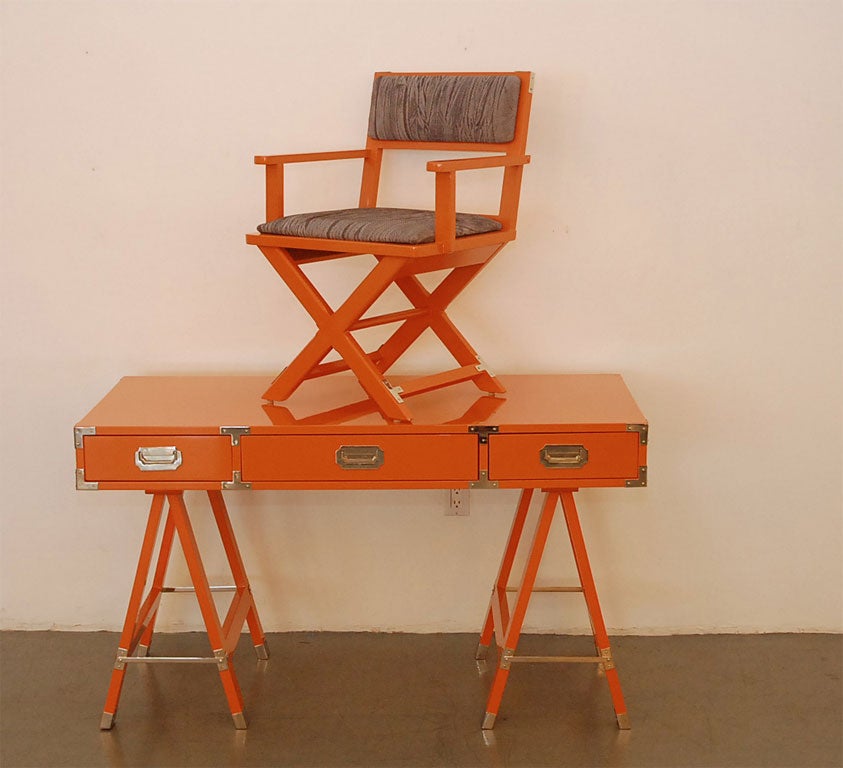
[[157, 458], [540, 456], [363, 458]]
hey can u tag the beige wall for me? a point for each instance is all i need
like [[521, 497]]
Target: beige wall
[[681, 225]]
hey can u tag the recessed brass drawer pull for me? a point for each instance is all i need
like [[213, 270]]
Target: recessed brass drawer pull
[[563, 456], [158, 459], [359, 456]]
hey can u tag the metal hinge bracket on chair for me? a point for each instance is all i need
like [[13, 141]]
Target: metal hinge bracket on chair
[[641, 429], [395, 391], [608, 662], [236, 484], [641, 482], [235, 433], [483, 431]]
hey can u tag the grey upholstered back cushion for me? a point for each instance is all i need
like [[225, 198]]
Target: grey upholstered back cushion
[[448, 108], [375, 225]]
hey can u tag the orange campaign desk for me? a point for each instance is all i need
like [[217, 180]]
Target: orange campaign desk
[[164, 435]]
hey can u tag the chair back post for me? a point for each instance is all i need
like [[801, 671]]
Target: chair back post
[[511, 187]]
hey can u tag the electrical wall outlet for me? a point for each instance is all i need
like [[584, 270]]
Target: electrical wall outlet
[[458, 502]]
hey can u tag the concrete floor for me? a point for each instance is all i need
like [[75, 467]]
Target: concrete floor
[[328, 699]]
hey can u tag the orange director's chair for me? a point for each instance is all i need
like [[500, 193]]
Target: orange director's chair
[[475, 112]]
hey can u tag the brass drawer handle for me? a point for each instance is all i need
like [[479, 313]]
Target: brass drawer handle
[[564, 456], [158, 459], [359, 456]]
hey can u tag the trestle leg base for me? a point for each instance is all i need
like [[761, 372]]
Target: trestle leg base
[[143, 650], [239, 721], [504, 621], [262, 652], [107, 721], [481, 652]]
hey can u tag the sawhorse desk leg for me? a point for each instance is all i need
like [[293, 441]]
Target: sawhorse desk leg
[[506, 626], [142, 612]]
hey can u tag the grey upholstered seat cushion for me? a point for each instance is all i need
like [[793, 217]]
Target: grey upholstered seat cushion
[[444, 108], [407, 226]]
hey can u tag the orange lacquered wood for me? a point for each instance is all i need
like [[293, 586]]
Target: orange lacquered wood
[[474, 163], [112, 458], [517, 456], [309, 157], [601, 636], [313, 458]]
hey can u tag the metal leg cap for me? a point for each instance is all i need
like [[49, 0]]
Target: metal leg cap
[[239, 721], [262, 651], [489, 721], [481, 652], [107, 721], [623, 722], [143, 650]]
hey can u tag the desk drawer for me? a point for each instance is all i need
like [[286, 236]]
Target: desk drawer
[[157, 458], [586, 455], [358, 458]]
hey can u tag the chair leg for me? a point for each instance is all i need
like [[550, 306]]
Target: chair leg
[[334, 332], [601, 636], [436, 302]]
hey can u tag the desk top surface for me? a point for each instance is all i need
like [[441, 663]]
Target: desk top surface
[[203, 404]]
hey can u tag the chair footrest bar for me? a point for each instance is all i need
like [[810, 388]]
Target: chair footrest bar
[[427, 383], [387, 318], [548, 589], [224, 588]]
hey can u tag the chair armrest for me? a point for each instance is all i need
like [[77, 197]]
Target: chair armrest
[[307, 157], [471, 163], [446, 190]]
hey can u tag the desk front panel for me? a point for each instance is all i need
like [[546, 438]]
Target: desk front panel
[[166, 433]]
